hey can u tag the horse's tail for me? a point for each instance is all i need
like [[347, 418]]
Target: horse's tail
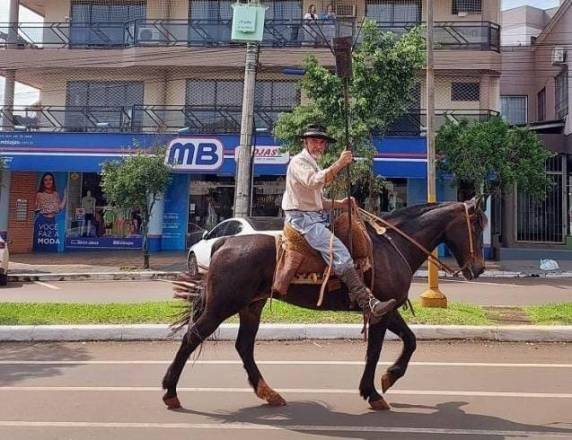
[[193, 291]]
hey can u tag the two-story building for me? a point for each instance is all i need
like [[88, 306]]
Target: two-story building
[[535, 91], [115, 75]]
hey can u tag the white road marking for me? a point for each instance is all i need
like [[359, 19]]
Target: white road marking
[[49, 286], [294, 391], [287, 362], [237, 426]]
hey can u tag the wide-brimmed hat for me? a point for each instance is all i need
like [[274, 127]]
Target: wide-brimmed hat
[[317, 131]]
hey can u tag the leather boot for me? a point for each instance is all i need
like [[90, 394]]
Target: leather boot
[[359, 293]]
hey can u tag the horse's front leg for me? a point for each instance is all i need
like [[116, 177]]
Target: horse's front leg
[[398, 326], [249, 323], [374, 344]]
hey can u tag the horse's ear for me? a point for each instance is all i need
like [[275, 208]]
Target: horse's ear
[[481, 202], [478, 203]]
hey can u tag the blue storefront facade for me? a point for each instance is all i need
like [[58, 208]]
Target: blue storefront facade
[[72, 215]]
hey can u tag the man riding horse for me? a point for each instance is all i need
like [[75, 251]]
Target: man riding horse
[[306, 211]]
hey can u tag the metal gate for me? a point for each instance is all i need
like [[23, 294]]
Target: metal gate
[[544, 221]]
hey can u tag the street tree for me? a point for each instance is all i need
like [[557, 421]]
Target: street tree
[[385, 72], [485, 156], [136, 182]]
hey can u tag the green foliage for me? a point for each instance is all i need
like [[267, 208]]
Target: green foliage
[[487, 155], [136, 182], [384, 74]]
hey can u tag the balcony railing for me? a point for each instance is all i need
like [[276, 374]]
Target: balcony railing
[[195, 119], [277, 33]]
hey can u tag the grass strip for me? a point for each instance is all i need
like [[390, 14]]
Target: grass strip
[[165, 312], [550, 314]]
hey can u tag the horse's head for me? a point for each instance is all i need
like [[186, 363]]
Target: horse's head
[[464, 237]]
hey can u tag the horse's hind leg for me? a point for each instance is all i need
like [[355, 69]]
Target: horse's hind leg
[[249, 323], [206, 324], [398, 326], [374, 344]]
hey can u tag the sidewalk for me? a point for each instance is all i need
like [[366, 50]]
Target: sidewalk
[[95, 262], [125, 262]]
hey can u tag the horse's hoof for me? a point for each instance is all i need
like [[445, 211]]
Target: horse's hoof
[[276, 400], [387, 382], [266, 393], [172, 402], [379, 405]]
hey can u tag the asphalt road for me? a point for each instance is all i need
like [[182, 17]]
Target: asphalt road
[[497, 292], [452, 391]]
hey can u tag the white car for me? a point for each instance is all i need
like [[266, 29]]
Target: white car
[[4, 260], [199, 256]]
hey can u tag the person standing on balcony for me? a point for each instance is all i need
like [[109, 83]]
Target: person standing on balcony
[[329, 22], [311, 32]]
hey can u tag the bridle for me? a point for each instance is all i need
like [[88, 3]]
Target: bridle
[[375, 221]]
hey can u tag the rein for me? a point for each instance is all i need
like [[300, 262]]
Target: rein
[[432, 258]]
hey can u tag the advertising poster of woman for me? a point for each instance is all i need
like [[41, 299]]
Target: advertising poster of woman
[[49, 224]]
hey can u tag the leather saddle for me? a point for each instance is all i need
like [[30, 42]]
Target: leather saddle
[[298, 263]]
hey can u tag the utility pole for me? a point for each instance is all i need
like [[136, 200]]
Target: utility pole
[[243, 175], [432, 297]]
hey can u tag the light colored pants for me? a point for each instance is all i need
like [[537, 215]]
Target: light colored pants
[[313, 226]]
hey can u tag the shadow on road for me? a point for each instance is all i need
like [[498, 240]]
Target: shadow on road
[[12, 373], [418, 421]]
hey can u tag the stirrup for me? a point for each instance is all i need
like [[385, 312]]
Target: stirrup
[[386, 306]]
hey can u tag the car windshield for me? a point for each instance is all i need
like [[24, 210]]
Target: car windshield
[[266, 223]]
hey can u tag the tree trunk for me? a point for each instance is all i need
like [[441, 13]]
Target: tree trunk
[[146, 255]]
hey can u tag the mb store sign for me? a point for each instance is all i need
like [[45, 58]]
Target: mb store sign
[[195, 154], [207, 155]]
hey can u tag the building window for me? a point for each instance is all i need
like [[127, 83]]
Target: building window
[[284, 10], [465, 91], [562, 94], [102, 24], [394, 11], [103, 105], [467, 6], [216, 105], [541, 102], [514, 109]]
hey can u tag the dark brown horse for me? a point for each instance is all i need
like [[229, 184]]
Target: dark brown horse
[[240, 277]]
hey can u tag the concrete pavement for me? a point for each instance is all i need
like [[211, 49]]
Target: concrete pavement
[[518, 292], [451, 391]]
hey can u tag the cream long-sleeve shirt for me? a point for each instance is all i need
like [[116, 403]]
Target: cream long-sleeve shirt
[[304, 183]]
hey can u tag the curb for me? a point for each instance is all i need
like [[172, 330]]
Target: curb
[[171, 275], [272, 332], [502, 274], [92, 276]]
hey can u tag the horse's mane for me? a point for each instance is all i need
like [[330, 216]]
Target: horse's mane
[[415, 212]]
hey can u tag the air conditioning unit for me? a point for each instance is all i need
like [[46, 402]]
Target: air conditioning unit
[[346, 10], [149, 35], [558, 55], [462, 13]]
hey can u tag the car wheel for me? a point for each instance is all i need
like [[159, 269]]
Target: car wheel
[[3, 279], [192, 264]]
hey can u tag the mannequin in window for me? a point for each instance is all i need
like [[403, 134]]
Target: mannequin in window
[[88, 206]]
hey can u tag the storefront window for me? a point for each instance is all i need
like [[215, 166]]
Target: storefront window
[[92, 223], [394, 195], [212, 199]]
